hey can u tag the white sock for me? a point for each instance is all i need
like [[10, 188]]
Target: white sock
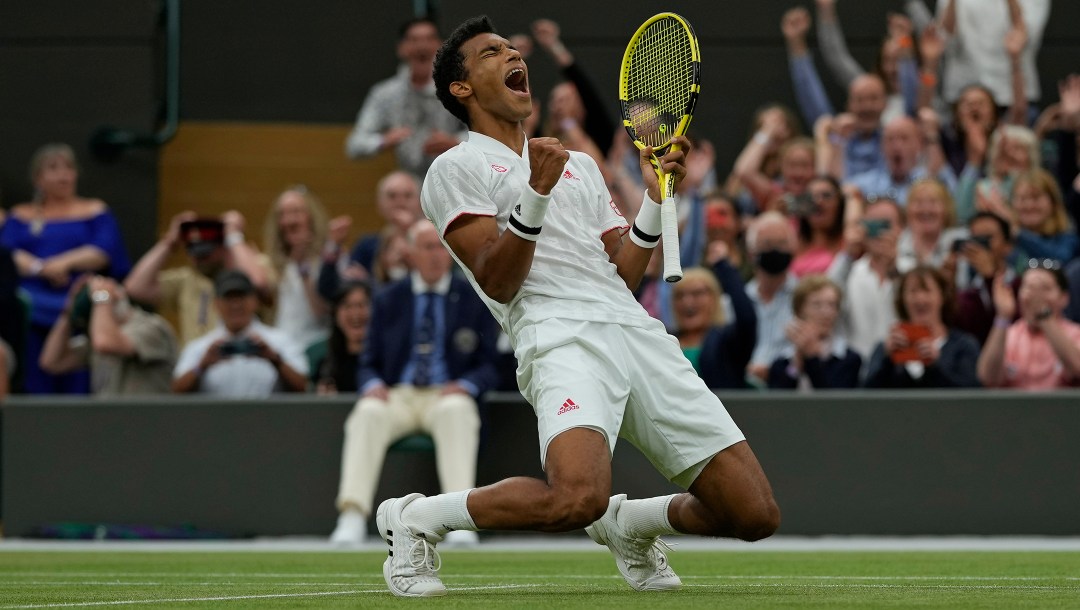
[[440, 514], [646, 518]]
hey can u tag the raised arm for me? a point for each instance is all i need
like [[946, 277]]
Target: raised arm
[[142, 283], [632, 258], [834, 48], [1016, 39], [809, 92], [991, 366]]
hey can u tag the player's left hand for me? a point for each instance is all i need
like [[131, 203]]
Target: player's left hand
[[674, 162]]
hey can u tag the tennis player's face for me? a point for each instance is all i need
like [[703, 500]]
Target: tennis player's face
[[498, 77]]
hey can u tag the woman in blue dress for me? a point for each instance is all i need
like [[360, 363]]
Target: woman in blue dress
[[55, 238]]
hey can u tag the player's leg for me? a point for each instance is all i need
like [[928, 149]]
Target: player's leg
[[453, 421], [372, 426], [573, 495], [730, 498]]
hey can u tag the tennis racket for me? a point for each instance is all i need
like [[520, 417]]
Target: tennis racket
[[658, 86]]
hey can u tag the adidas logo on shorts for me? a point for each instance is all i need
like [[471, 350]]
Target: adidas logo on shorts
[[567, 406]]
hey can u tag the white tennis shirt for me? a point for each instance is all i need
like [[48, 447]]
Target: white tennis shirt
[[571, 276]]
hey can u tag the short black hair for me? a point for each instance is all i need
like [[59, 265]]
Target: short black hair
[[1006, 229], [408, 25], [450, 63]]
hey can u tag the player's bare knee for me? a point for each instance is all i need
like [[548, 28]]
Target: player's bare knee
[[571, 510], [757, 524]]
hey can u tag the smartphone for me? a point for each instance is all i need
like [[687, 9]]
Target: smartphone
[[914, 334], [982, 240], [958, 245], [876, 226]]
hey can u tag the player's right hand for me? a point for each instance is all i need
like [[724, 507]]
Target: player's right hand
[[547, 158]]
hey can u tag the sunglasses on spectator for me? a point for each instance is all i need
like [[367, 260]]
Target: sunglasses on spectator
[[1049, 264]]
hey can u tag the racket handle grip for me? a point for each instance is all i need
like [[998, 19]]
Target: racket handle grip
[[669, 229]]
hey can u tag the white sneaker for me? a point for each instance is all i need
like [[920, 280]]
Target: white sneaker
[[351, 528], [412, 567], [461, 539], [641, 561]]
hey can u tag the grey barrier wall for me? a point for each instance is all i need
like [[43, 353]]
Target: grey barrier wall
[[840, 463]]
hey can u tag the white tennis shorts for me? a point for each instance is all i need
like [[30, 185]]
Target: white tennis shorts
[[623, 381]]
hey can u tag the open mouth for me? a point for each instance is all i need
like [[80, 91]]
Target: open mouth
[[517, 81]]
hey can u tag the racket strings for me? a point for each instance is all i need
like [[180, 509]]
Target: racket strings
[[659, 78]]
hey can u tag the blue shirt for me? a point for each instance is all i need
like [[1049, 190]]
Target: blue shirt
[[880, 183], [56, 237]]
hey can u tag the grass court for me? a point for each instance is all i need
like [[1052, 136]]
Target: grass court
[[541, 579]]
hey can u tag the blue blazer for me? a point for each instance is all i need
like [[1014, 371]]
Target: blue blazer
[[469, 344]]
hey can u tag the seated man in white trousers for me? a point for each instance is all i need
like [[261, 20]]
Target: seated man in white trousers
[[429, 356]]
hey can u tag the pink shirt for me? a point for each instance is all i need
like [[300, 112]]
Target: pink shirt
[[815, 260], [1030, 361]]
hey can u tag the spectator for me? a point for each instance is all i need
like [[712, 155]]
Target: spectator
[[242, 357], [391, 260], [397, 197], [430, 355], [577, 113], [12, 324], [212, 245], [713, 217], [1062, 123], [402, 112], [773, 126], [1013, 150], [902, 149], [351, 313], [922, 350], [129, 351], [895, 65], [795, 158], [1041, 350], [294, 236], [856, 134], [771, 242], [54, 238], [820, 218], [1072, 275], [989, 253], [817, 356], [975, 118], [868, 311], [978, 35], [719, 350], [1040, 222], [929, 236]]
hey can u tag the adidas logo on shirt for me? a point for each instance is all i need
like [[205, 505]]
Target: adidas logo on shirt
[[567, 406]]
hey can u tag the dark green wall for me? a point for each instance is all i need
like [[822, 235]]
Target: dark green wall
[[932, 463]]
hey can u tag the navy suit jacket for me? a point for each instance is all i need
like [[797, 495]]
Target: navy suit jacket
[[469, 344]]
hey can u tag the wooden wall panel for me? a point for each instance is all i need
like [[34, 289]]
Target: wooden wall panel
[[213, 167]]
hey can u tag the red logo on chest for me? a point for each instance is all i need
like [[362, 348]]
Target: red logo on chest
[[567, 174], [499, 168]]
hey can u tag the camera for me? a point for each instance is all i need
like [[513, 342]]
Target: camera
[[239, 347], [800, 205], [876, 226]]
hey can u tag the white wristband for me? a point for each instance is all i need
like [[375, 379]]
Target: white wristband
[[646, 230], [527, 216], [234, 239]]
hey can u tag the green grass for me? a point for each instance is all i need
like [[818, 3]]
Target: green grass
[[543, 579]]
